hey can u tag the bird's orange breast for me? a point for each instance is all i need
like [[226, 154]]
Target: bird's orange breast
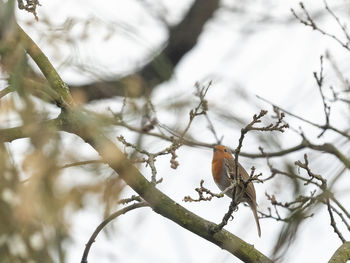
[[216, 169]]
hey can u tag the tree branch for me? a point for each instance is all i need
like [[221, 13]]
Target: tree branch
[[104, 223], [342, 254], [182, 38], [15, 133], [63, 97], [322, 127], [160, 202]]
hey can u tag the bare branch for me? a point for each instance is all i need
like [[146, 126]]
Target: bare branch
[[308, 21], [330, 127], [152, 156], [326, 108], [82, 163], [30, 6], [182, 38], [203, 190], [336, 18], [312, 175], [130, 199], [333, 223], [342, 217], [339, 74], [104, 223], [5, 91], [201, 108]]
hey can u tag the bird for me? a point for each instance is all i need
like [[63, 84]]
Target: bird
[[224, 169]]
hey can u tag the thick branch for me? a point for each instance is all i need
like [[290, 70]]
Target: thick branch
[[182, 38], [63, 97], [342, 254], [15, 133]]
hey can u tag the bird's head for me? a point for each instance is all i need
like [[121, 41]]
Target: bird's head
[[221, 152]]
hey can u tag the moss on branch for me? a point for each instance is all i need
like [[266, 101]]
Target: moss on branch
[[63, 98]]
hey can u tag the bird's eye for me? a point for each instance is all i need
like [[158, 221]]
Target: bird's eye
[[225, 150]]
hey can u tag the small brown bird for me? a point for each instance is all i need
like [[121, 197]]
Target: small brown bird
[[223, 169]]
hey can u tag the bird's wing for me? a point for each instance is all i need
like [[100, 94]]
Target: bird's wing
[[230, 167], [249, 196]]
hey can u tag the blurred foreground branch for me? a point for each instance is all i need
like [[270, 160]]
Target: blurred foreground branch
[[182, 38]]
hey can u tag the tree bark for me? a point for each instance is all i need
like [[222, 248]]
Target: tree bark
[[342, 254]]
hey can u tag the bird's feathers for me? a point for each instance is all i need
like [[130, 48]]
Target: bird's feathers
[[224, 174]]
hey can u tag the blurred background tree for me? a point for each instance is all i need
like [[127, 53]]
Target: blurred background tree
[[154, 85]]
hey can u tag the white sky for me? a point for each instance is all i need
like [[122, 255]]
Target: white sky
[[274, 60]]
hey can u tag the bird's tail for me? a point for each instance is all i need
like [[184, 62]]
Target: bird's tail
[[253, 207]]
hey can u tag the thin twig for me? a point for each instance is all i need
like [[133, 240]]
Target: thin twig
[[340, 214], [5, 91], [104, 223], [201, 108], [201, 191], [343, 133], [212, 129], [150, 161], [326, 108], [312, 175], [308, 21], [82, 163], [333, 223], [336, 18]]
